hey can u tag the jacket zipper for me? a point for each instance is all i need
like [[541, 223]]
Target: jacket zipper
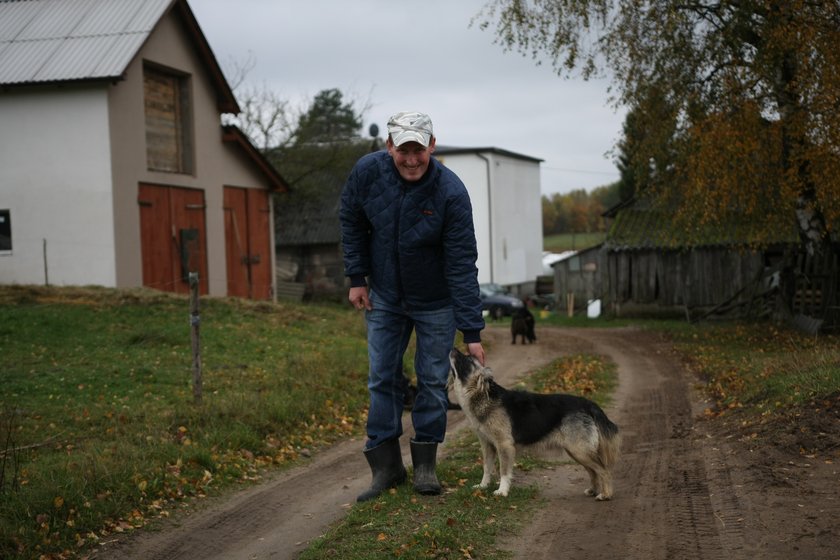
[[400, 293]]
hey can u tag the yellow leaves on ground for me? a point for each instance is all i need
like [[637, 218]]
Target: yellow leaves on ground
[[759, 365], [571, 374]]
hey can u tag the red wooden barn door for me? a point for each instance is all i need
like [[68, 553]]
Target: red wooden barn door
[[155, 237], [173, 237], [248, 243]]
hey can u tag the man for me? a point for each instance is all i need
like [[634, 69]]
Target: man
[[407, 229]]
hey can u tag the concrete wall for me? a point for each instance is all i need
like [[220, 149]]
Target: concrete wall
[[55, 177], [473, 171], [507, 211]]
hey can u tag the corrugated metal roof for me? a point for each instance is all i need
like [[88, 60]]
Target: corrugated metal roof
[[65, 40]]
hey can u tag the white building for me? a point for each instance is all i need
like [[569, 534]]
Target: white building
[[505, 192], [115, 169]]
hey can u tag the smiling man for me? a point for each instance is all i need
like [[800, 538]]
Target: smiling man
[[409, 253], [411, 143]]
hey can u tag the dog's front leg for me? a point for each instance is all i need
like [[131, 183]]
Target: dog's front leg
[[488, 455], [507, 456]]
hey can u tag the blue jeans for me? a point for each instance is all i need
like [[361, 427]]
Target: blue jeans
[[389, 331]]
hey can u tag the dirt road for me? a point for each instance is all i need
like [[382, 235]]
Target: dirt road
[[684, 490]]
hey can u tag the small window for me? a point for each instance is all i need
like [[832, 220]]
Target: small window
[[169, 137], [5, 232]]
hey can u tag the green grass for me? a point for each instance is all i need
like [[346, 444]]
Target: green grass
[[464, 522], [98, 428], [572, 241], [99, 431], [758, 366]]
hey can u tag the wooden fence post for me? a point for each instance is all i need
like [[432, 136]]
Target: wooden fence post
[[46, 267], [195, 321]]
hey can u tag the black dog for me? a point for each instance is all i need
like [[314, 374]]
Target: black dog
[[522, 325], [410, 395]]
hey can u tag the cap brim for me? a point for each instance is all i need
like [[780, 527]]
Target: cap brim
[[410, 136]]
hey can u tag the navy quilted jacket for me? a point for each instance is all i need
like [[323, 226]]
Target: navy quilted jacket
[[415, 242]]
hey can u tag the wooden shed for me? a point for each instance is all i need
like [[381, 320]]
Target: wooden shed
[[578, 279], [308, 251], [647, 270], [310, 262]]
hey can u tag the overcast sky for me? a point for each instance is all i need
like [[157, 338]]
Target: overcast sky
[[423, 56]]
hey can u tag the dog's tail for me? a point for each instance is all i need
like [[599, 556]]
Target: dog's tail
[[609, 440]]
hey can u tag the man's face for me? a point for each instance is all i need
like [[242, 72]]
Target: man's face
[[411, 158]]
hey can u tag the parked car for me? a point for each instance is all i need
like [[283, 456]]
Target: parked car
[[497, 302], [494, 288]]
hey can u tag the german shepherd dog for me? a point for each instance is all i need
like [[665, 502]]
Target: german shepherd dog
[[504, 419]]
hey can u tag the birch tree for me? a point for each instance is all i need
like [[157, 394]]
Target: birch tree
[[738, 100]]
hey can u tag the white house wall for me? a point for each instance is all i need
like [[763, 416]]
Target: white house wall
[[56, 181], [472, 170], [507, 213], [517, 221]]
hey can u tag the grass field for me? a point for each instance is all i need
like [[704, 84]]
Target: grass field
[[99, 432], [97, 422]]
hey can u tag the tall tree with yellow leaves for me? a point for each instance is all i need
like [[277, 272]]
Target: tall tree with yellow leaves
[[738, 100]]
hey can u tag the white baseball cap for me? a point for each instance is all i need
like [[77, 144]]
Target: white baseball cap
[[410, 127]]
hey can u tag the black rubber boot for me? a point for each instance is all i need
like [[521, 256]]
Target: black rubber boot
[[387, 468], [424, 457]]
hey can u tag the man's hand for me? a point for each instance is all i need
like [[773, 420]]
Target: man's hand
[[476, 350], [359, 298]]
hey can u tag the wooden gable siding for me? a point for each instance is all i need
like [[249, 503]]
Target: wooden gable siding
[[168, 121]]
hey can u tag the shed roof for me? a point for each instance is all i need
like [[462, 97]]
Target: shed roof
[[441, 150], [640, 227], [309, 219], [54, 41], [308, 214]]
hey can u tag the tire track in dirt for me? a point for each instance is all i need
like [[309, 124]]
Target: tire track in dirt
[[662, 507]]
